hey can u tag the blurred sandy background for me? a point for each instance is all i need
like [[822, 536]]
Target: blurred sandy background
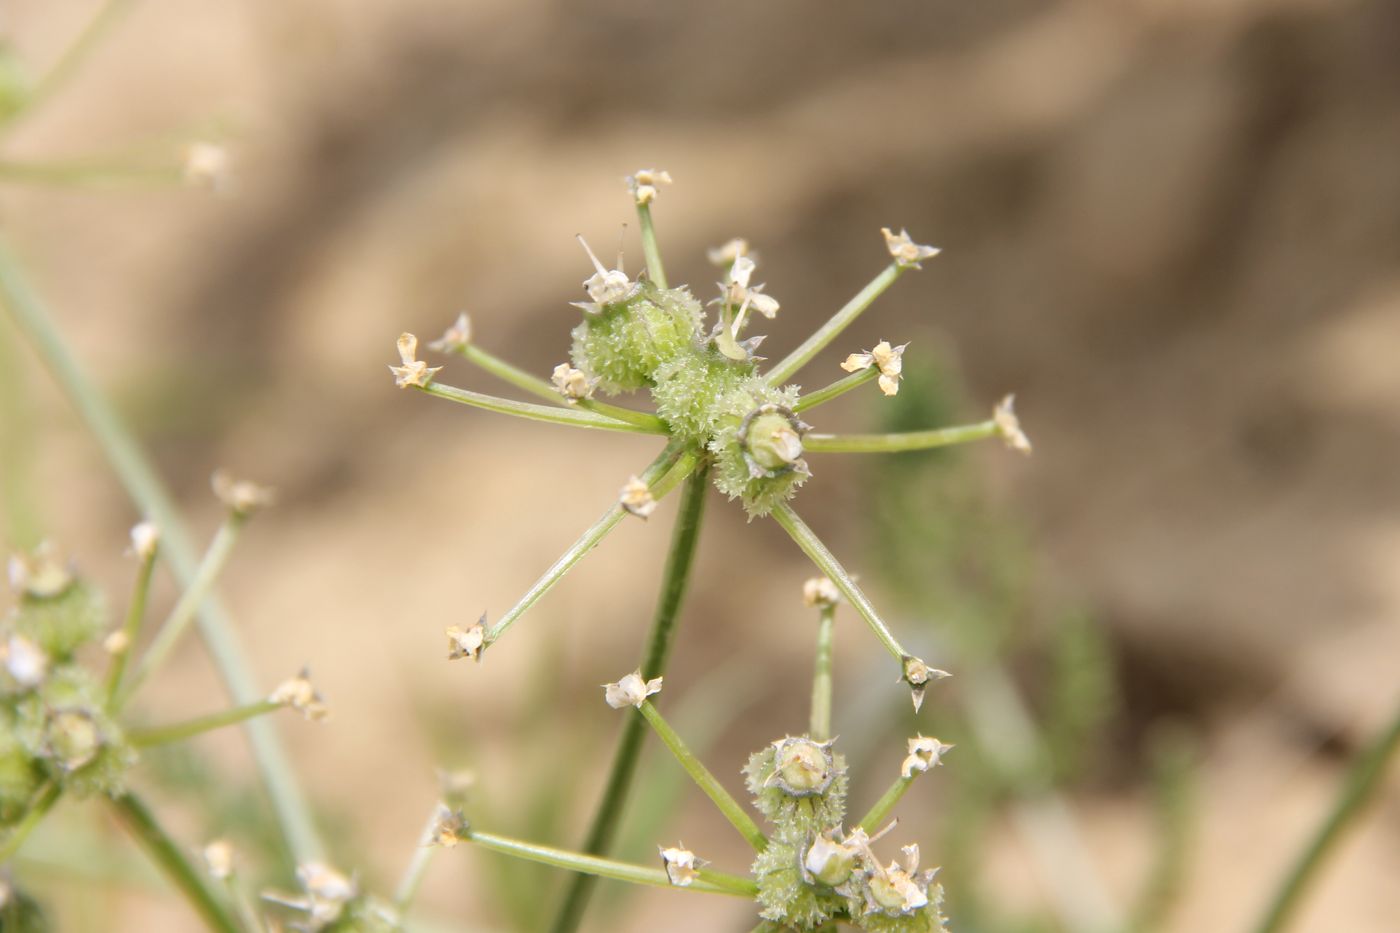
[[1171, 228]]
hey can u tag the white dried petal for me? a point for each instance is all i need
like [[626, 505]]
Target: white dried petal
[[449, 827], [465, 642], [924, 753], [324, 883], [218, 859], [726, 253], [636, 497], [1010, 426], [24, 661], [242, 497], [643, 184], [456, 337], [857, 361], [299, 693], [905, 251], [572, 383], [207, 165], [682, 867], [765, 305], [145, 538], [820, 592], [413, 372], [631, 690], [116, 643]]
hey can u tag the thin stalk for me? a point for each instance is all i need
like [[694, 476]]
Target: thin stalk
[[592, 866], [43, 802], [135, 613], [185, 608], [671, 459], [243, 904], [649, 247], [539, 388], [827, 563], [417, 868], [674, 582], [821, 678], [733, 811], [828, 332], [898, 443], [1362, 782], [569, 416], [880, 812], [72, 174], [171, 860], [144, 487], [73, 56], [175, 732], [838, 388]]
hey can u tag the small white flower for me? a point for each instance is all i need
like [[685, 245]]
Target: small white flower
[[682, 867], [918, 675], [829, 861], [889, 360], [116, 642], [243, 497], [644, 183], [739, 294], [466, 643], [573, 384], [725, 254], [413, 372], [298, 693], [636, 497], [905, 251], [207, 165], [449, 827], [145, 538], [924, 753], [455, 338], [24, 661], [820, 592], [1010, 426], [631, 690], [218, 859], [605, 286]]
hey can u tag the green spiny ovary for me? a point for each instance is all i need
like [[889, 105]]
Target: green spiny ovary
[[654, 338]]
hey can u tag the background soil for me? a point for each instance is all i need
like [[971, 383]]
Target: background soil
[[1171, 228]]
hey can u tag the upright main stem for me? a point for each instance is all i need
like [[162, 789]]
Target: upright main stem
[[146, 490], [663, 626]]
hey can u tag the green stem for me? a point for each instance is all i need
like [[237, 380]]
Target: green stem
[[673, 586], [43, 802], [135, 613], [649, 247], [146, 490], [541, 389], [73, 56], [827, 563], [69, 174], [733, 811], [184, 612], [821, 679], [168, 857], [569, 416], [898, 443], [1362, 783], [838, 388], [671, 460], [175, 732], [828, 332], [872, 821], [418, 865], [592, 866]]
